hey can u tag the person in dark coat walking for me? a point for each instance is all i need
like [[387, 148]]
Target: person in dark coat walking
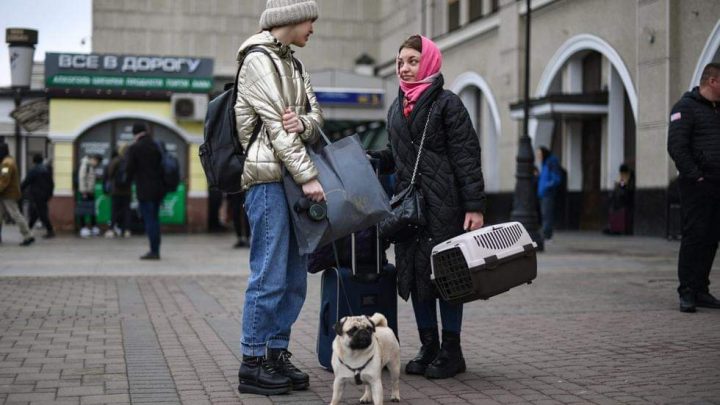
[[451, 180], [121, 194], [39, 187], [144, 167], [694, 145]]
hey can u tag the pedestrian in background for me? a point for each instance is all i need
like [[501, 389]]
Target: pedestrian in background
[[144, 168], [548, 188], [10, 194], [694, 145], [274, 88], [120, 193], [450, 177], [240, 221], [39, 187], [87, 178], [621, 203]]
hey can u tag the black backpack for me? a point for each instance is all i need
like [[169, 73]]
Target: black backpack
[[221, 155], [170, 169], [120, 178]]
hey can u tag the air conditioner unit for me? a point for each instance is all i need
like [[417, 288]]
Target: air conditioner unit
[[189, 107]]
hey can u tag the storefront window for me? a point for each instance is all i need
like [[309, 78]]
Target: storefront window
[[453, 15], [476, 9]]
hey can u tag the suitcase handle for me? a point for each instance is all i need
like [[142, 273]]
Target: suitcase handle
[[325, 314]]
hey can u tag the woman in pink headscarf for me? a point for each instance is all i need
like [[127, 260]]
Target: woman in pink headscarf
[[449, 175]]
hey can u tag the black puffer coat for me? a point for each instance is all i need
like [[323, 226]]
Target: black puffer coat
[[694, 137], [449, 175]]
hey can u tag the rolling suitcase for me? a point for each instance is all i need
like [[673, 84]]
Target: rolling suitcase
[[361, 289], [484, 263]]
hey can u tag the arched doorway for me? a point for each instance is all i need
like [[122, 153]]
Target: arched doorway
[[710, 53], [103, 137], [586, 112], [480, 102]]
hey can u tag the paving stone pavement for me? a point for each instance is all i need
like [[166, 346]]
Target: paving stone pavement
[[85, 322]]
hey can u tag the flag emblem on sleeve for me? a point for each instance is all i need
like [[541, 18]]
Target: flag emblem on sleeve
[[675, 117]]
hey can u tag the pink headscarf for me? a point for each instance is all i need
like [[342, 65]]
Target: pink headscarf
[[430, 64]]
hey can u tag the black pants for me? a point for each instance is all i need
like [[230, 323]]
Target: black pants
[[240, 221], [700, 233], [93, 217], [215, 199], [121, 212], [39, 210]]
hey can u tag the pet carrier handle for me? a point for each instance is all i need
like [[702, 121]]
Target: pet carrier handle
[[422, 141]]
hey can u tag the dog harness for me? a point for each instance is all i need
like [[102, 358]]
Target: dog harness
[[357, 370]]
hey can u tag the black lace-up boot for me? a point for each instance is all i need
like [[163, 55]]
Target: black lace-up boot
[[428, 351], [280, 359], [258, 376], [449, 361]]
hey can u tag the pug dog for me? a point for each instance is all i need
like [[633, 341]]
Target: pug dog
[[364, 345]]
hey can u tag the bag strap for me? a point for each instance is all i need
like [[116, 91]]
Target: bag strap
[[422, 141]]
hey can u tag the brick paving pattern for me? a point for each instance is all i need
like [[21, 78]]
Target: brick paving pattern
[[85, 322]]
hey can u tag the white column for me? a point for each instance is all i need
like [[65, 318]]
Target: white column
[[489, 139], [573, 76], [469, 99], [615, 127], [464, 12], [572, 155]]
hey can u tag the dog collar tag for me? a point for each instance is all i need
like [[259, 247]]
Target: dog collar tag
[[358, 381]]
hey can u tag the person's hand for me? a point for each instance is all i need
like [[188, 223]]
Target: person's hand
[[701, 179], [313, 190], [473, 221], [291, 122]]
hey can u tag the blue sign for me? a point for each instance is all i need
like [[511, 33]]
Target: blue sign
[[350, 98]]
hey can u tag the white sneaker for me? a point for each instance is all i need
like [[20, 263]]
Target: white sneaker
[[85, 233], [127, 234], [95, 231], [109, 234]]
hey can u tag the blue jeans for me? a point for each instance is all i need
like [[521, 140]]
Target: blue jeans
[[278, 273], [150, 211], [426, 314], [547, 209]]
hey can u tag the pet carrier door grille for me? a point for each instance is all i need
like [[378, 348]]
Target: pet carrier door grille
[[455, 281]]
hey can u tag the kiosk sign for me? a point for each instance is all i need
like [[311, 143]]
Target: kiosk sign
[[128, 72]]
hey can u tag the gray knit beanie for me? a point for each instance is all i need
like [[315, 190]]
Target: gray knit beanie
[[285, 12]]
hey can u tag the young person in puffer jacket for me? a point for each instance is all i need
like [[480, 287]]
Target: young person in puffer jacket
[[451, 180], [278, 273]]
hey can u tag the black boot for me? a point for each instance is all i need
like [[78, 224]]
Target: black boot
[[687, 301], [280, 359], [258, 376], [428, 351], [449, 361]]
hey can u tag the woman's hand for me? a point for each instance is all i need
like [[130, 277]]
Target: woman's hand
[[473, 221], [313, 190], [291, 122]]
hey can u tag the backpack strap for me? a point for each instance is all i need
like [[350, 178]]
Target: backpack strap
[[257, 48], [258, 123]]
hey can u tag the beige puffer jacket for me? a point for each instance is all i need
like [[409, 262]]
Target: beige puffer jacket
[[262, 94]]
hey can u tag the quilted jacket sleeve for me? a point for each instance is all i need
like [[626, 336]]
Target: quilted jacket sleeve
[[679, 138], [313, 119], [263, 91], [464, 154]]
